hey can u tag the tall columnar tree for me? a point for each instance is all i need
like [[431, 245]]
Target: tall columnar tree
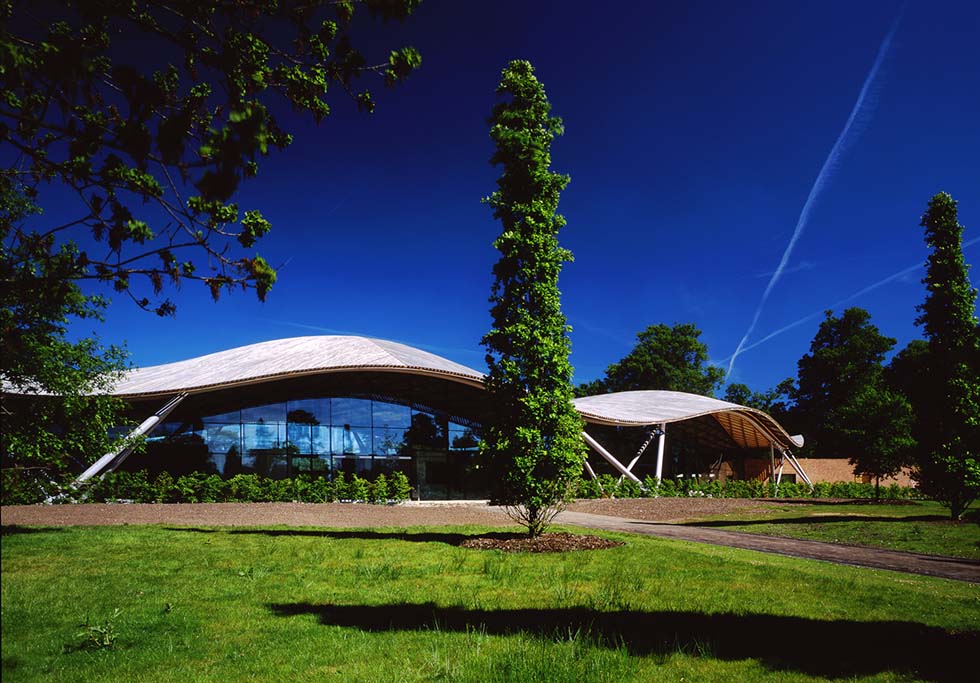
[[845, 358], [533, 436], [949, 467]]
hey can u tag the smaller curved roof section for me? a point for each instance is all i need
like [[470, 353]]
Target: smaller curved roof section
[[290, 357], [748, 427]]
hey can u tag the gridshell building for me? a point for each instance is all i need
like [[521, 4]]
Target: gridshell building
[[327, 404]]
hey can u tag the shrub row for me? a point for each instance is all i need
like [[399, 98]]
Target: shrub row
[[19, 489], [198, 487], [606, 486]]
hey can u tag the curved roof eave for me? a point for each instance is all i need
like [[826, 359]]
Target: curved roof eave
[[288, 358], [650, 407]]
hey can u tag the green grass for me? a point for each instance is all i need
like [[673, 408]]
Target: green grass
[[913, 526], [345, 605]]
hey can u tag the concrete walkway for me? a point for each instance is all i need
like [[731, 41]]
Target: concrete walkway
[[913, 563]]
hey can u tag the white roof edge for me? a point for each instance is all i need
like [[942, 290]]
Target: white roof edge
[[294, 356], [649, 407]]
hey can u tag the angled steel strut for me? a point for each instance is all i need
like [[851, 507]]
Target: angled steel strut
[[110, 461]]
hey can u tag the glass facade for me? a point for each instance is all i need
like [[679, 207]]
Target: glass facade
[[323, 436]]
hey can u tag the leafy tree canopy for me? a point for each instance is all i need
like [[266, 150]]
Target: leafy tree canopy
[[533, 436], [845, 358], [665, 358], [775, 401], [154, 146], [908, 370], [949, 430], [150, 146], [877, 422]]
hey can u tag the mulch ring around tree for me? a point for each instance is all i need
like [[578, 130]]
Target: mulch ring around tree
[[545, 543]]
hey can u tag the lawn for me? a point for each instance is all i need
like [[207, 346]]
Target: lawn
[[189, 604], [913, 526]]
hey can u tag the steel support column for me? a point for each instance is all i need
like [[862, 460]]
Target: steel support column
[[608, 457], [660, 450], [640, 452], [111, 460]]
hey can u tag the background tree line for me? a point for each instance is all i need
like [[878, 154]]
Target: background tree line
[[154, 152], [921, 409]]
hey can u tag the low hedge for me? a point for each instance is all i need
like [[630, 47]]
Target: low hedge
[[199, 487], [608, 486], [21, 489]]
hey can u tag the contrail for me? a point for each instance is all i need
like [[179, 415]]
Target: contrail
[[818, 185], [851, 297]]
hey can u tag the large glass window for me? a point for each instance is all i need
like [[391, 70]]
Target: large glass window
[[325, 436], [271, 412], [347, 440], [389, 441], [314, 411], [300, 437], [220, 438], [463, 438], [355, 412], [234, 417], [321, 439], [261, 436], [391, 415]]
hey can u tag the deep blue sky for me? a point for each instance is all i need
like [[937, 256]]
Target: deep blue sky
[[694, 133]]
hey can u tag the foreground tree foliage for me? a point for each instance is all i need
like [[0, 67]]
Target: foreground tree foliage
[[949, 425], [666, 358], [45, 437], [140, 120], [154, 147], [775, 401], [877, 422], [533, 436], [845, 359]]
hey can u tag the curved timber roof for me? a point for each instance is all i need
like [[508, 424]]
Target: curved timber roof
[[748, 427], [292, 357], [352, 360]]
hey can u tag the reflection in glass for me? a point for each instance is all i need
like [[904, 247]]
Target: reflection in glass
[[299, 435], [464, 440], [321, 439], [351, 411], [260, 436], [234, 417], [314, 411], [271, 412], [391, 415], [220, 438], [388, 442], [325, 436], [349, 440], [426, 432]]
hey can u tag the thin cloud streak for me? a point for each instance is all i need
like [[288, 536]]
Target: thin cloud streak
[[861, 292], [823, 177], [577, 323], [800, 267]]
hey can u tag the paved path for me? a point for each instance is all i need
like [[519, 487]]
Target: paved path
[[914, 563]]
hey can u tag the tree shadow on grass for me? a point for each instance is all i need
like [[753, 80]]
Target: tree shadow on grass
[[393, 535], [12, 529], [816, 519], [835, 649]]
